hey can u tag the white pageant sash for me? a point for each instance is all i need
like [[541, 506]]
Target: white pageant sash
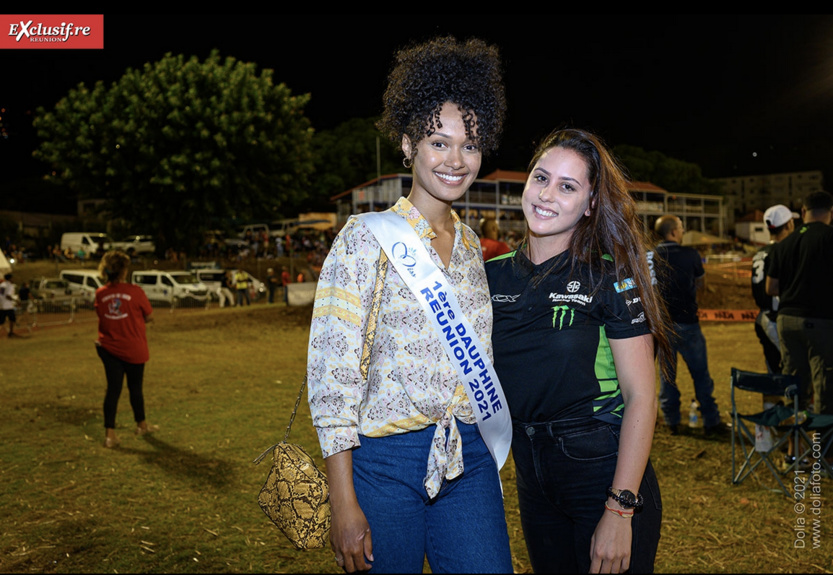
[[428, 283]]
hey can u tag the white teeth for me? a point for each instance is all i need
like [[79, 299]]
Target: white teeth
[[545, 213], [449, 177]]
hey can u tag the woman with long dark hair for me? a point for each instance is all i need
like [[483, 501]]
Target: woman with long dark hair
[[576, 325]]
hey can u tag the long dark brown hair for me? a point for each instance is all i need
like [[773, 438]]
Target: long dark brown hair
[[612, 230]]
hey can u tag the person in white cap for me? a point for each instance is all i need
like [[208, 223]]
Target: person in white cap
[[780, 221], [801, 273]]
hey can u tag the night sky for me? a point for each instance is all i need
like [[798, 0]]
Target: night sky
[[737, 95]]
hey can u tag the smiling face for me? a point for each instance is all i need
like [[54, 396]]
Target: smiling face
[[445, 163], [556, 196]]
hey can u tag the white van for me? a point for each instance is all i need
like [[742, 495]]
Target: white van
[[173, 287], [82, 283], [90, 241]]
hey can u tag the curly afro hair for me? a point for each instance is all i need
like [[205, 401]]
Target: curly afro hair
[[426, 76]]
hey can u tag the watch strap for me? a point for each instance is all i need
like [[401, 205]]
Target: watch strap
[[633, 502]]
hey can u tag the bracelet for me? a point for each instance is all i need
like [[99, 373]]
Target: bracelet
[[623, 514]]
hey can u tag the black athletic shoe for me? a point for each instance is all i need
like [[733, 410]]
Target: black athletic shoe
[[719, 430]]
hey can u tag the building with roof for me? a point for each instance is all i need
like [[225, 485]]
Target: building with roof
[[746, 194], [498, 195]]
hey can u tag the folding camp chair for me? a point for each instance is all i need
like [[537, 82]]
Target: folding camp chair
[[816, 434], [786, 418]]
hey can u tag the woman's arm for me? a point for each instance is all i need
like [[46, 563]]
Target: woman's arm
[[610, 547], [349, 531], [336, 389]]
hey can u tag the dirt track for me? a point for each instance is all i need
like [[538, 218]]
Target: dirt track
[[728, 287]]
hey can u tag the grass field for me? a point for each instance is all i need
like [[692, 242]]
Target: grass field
[[221, 384]]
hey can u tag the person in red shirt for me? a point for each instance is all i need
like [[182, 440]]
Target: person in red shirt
[[286, 279], [489, 242], [123, 310]]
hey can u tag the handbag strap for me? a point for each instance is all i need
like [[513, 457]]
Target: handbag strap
[[375, 305], [369, 337]]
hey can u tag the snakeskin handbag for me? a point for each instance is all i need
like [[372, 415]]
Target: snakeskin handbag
[[296, 496]]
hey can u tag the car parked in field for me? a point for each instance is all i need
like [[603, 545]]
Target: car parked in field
[[51, 293], [173, 287], [139, 244], [83, 283]]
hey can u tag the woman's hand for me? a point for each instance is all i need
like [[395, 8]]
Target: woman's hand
[[350, 538], [610, 546], [349, 530]]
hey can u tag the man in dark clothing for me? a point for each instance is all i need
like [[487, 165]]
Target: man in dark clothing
[[679, 274], [272, 282], [780, 222], [801, 274]]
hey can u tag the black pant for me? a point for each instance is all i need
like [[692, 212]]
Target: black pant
[[563, 471], [115, 369]]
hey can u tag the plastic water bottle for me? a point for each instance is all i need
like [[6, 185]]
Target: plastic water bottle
[[693, 419]]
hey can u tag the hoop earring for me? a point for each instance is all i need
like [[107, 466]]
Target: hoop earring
[[407, 162]]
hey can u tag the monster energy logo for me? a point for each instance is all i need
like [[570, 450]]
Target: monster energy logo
[[560, 320]]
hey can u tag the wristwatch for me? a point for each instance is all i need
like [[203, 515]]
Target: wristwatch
[[625, 498]]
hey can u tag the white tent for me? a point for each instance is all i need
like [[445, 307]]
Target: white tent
[[5, 267]]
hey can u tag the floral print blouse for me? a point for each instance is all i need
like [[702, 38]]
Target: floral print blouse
[[411, 384]]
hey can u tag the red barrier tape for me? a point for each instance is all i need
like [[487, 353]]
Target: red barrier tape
[[727, 314]]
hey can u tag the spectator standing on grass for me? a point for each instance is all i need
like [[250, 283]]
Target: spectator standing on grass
[[224, 292], [780, 222], [123, 311], [272, 283], [242, 280], [286, 279], [800, 273], [25, 298], [8, 303], [679, 274]]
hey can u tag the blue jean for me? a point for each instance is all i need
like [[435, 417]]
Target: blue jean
[[461, 530], [563, 471], [689, 342]]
